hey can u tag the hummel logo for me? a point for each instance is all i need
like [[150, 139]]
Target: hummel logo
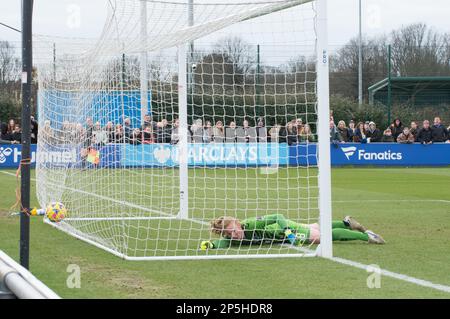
[[4, 152], [349, 151]]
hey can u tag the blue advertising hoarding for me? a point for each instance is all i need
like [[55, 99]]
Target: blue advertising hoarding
[[235, 154], [11, 154], [375, 154], [212, 154]]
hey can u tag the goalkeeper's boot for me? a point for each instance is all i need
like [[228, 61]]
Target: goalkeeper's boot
[[374, 238], [354, 224]]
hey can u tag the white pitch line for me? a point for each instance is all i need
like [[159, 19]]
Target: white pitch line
[[387, 273], [392, 200]]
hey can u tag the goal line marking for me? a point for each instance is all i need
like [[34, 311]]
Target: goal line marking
[[384, 272]]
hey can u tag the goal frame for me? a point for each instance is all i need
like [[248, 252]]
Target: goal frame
[[324, 249]]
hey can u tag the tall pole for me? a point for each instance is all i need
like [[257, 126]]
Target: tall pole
[[144, 62], [27, 67], [323, 108], [360, 86], [389, 98]]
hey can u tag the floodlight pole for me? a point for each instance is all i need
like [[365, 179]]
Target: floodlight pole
[[360, 87], [389, 97], [27, 68], [258, 81]]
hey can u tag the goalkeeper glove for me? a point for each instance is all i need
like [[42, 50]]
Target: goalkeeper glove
[[290, 236], [206, 245]]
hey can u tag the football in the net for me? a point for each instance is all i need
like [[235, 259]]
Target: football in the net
[[56, 212]]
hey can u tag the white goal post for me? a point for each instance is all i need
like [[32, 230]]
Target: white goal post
[[181, 112]]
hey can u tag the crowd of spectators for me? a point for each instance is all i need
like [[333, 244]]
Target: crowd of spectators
[[367, 132], [11, 132], [163, 131]]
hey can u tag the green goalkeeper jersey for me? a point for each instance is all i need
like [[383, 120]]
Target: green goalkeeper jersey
[[265, 230]]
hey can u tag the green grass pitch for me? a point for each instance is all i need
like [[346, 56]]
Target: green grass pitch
[[410, 207]]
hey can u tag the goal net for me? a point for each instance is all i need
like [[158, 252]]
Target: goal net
[[182, 112]]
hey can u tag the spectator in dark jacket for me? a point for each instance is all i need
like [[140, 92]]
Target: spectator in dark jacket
[[5, 138], [291, 133], [414, 129], [335, 137], [16, 135], [351, 130], [135, 137], [109, 129], [374, 134], [346, 136], [424, 135], [89, 131], [360, 134], [396, 128], [148, 121], [119, 134], [127, 130], [147, 135], [366, 126], [164, 132], [282, 134], [387, 136], [438, 131]]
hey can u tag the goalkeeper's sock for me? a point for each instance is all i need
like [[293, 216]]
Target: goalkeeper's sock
[[339, 224], [340, 234]]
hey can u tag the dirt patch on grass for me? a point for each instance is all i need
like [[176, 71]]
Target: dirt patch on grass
[[125, 282]]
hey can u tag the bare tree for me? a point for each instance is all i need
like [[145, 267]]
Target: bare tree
[[241, 53], [344, 66], [217, 73], [9, 64], [418, 50]]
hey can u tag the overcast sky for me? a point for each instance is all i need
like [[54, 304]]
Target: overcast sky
[[379, 16]]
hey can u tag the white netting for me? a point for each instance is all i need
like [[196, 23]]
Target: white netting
[[109, 123]]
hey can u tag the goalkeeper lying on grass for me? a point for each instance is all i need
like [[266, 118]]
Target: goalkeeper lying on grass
[[276, 228]]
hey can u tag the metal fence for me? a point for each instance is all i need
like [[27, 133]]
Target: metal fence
[[17, 282]]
